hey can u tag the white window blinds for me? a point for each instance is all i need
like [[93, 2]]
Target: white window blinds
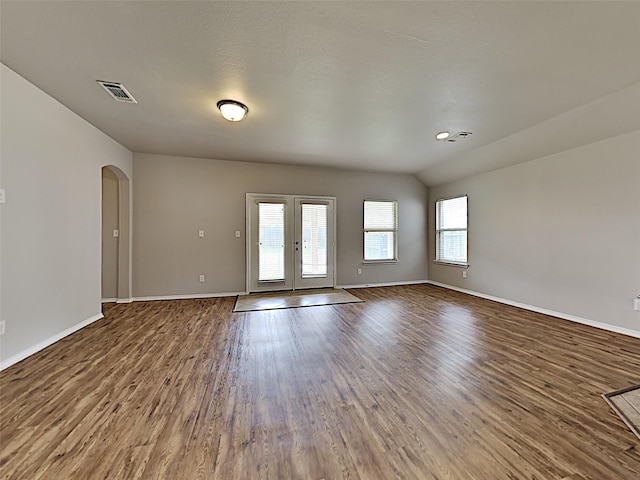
[[270, 242], [451, 230], [380, 230], [314, 240]]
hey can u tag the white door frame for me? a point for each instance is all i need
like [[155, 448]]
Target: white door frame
[[251, 199]]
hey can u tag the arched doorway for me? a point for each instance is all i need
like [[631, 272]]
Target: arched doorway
[[116, 258]]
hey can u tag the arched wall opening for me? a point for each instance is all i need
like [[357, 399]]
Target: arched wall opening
[[116, 238]]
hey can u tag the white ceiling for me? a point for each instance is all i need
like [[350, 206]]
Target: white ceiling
[[361, 85]]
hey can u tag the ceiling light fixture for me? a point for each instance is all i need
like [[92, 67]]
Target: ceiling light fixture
[[232, 110], [442, 135]]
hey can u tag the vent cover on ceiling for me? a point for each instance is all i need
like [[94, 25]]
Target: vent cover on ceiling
[[458, 136], [117, 91]]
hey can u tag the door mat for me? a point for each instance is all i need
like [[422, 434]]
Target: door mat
[[294, 299], [626, 403]]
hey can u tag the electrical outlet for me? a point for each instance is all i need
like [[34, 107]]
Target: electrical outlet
[[201, 278], [464, 274], [201, 235], [116, 232], [359, 271], [2, 195], [237, 233], [2, 327]]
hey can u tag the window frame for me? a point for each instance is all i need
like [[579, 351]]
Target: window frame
[[394, 231], [438, 259]]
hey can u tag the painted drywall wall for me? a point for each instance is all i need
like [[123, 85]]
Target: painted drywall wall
[[560, 232], [175, 197], [109, 242], [51, 230]]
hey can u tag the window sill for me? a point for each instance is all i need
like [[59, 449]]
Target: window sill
[[452, 264], [376, 262]]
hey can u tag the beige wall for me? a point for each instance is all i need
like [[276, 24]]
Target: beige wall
[[50, 238], [560, 232], [174, 197], [109, 242]]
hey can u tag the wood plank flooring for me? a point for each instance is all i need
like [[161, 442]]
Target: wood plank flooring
[[418, 382]]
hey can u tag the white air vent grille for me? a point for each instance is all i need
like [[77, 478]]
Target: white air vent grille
[[458, 136], [117, 91]]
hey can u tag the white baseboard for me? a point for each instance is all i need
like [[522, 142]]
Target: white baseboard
[[387, 284], [45, 343], [187, 297], [117, 300], [533, 308]]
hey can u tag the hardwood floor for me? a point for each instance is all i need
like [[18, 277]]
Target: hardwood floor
[[418, 382]]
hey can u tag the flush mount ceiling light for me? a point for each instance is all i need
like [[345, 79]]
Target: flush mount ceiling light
[[442, 135], [232, 110]]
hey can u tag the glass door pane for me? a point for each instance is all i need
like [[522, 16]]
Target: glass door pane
[[314, 240], [271, 242]]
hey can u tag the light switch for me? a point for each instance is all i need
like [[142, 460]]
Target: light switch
[[116, 232], [201, 233], [237, 233]]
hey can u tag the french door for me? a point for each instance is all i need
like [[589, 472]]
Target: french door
[[290, 242]]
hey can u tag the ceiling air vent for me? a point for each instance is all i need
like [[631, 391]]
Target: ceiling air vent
[[458, 136], [117, 91]]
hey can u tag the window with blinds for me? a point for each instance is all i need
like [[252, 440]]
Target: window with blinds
[[314, 240], [451, 230], [380, 230], [271, 242]]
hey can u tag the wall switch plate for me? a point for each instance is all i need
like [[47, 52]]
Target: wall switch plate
[[3, 324], [464, 274], [359, 271], [116, 232], [237, 233], [201, 233], [2, 195], [201, 278], [636, 303]]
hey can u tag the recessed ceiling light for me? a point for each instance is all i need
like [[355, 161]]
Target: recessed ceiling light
[[232, 110], [442, 135]]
